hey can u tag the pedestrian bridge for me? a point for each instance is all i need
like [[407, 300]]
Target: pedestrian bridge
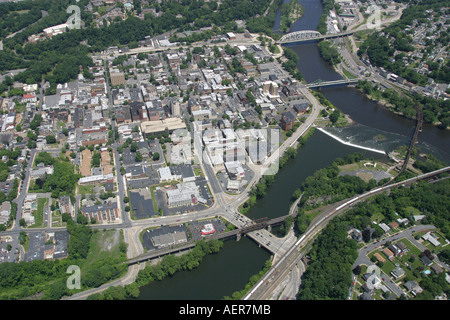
[[308, 35]]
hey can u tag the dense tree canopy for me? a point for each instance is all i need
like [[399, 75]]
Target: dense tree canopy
[[329, 53]]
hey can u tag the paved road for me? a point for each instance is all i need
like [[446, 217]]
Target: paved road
[[22, 192], [225, 208], [280, 270], [363, 252]]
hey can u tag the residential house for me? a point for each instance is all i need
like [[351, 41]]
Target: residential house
[[431, 238], [437, 268], [384, 227], [356, 235], [393, 225], [426, 261], [401, 246], [413, 287], [398, 272], [388, 253], [379, 257], [395, 250]]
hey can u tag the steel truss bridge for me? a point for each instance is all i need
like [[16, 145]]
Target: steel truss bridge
[[320, 83], [310, 35]]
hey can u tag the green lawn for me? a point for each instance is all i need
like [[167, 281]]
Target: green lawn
[[39, 213], [378, 217], [413, 210], [348, 74], [82, 189]]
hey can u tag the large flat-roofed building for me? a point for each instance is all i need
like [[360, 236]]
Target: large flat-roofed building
[[234, 170], [166, 240], [184, 194], [54, 30], [117, 78], [96, 179], [41, 171], [168, 125]]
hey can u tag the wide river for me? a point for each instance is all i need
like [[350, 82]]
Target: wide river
[[221, 274]]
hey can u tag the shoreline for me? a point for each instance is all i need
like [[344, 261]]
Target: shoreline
[[384, 103]]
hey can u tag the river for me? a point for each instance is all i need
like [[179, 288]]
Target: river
[[229, 270], [371, 119]]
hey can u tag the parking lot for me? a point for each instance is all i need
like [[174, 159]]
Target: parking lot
[[163, 230], [35, 246], [141, 203], [6, 186], [8, 249], [192, 231]]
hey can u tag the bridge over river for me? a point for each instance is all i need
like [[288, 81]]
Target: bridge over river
[[321, 84], [238, 232], [310, 35]]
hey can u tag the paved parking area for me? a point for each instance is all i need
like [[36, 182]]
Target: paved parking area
[[197, 226], [141, 203], [35, 246], [6, 186], [8, 249], [163, 230], [192, 231]]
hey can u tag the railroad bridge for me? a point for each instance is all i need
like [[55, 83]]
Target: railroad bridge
[[250, 226]]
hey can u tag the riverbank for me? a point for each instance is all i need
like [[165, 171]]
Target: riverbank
[[290, 12], [396, 101], [316, 154]]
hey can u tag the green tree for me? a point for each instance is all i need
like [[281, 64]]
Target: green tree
[[334, 116]]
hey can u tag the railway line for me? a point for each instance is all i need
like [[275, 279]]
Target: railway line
[[262, 289]]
